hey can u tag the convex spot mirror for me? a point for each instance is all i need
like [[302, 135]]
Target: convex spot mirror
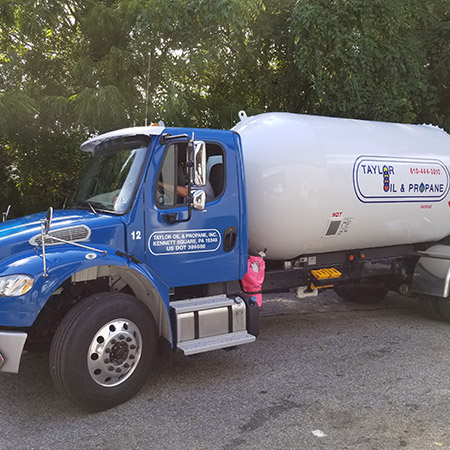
[[199, 163], [199, 200]]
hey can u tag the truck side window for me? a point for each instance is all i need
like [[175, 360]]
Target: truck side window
[[216, 173], [171, 189], [166, 180]]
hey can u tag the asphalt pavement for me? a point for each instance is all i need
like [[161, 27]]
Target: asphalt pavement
[[324, 374]]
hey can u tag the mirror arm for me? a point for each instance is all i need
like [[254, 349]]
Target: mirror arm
[[45, 228], [188, 218], [190, 166], [166, 137], [44, 260]]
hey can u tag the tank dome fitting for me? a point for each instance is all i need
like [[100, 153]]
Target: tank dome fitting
[[242, 115]]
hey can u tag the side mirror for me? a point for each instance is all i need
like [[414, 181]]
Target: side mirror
[[199, 163], [199, 200], [48, 220]]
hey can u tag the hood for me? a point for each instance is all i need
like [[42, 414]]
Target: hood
[[85, 227]]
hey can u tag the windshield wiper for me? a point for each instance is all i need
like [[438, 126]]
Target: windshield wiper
[[92, 208], [82, 203]]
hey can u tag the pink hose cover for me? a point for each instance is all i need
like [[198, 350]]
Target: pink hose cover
[[254, 278]]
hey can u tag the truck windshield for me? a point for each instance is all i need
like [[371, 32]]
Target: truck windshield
[[112, 175]]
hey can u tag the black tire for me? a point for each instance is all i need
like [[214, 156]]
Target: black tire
[[103, 351], [444, 308], [364, 295], [429, 306]]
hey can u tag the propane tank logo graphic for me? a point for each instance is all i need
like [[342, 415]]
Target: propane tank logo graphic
[[385, 178], [401, 179]]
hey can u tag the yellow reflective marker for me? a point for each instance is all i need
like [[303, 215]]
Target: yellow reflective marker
[[326, 274]]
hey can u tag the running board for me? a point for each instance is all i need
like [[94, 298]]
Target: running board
[[215, 342]]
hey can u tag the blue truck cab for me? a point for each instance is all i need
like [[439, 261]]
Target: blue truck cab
[[150, 251]]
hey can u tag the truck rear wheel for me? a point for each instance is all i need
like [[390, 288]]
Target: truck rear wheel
[[430, 306], [361, 294], [444, 308], [103, 350]]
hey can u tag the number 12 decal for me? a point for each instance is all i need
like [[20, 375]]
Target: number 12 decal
[[136, 235]]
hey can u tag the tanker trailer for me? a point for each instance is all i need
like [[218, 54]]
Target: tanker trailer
[[364, 198]]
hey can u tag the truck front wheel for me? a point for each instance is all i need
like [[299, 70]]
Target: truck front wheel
[[103, 350]]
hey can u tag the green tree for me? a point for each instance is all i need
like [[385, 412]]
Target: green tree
[[73, 68], [438, 62]]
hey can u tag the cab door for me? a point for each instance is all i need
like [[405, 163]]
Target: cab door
[[201, 247]]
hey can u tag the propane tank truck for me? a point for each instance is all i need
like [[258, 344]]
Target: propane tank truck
[[152, 250]]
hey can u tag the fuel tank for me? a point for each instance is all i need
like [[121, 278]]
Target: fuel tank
[[321, 184]]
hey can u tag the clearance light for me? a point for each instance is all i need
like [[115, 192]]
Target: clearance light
[[15, 285]]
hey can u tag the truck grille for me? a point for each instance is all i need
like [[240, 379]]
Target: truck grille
[[71, 234]]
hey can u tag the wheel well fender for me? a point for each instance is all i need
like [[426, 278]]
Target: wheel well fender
[[146, 286], [152, 292]]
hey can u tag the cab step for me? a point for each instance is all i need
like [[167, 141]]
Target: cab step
[[210, 323], [199, 304], [215, 342]]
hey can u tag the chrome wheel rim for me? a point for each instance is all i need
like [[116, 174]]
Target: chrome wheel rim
[[114, 352]]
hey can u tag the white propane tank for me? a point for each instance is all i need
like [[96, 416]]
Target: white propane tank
[[321, 184]]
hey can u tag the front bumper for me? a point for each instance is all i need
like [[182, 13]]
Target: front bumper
[[11, 348]]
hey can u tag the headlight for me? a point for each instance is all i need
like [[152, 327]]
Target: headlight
[[15, 285]]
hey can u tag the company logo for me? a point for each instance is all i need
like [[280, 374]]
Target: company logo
[[184, 241], [385, 178], [389, 180]]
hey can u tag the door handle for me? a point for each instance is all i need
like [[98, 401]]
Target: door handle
[[229, 238]]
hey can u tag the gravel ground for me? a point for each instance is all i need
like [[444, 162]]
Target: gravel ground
[[323, 375]]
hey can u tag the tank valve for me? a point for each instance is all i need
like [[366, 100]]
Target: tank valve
[[242, 115]]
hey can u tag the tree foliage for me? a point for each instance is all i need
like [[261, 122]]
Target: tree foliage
[[69, 69]]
